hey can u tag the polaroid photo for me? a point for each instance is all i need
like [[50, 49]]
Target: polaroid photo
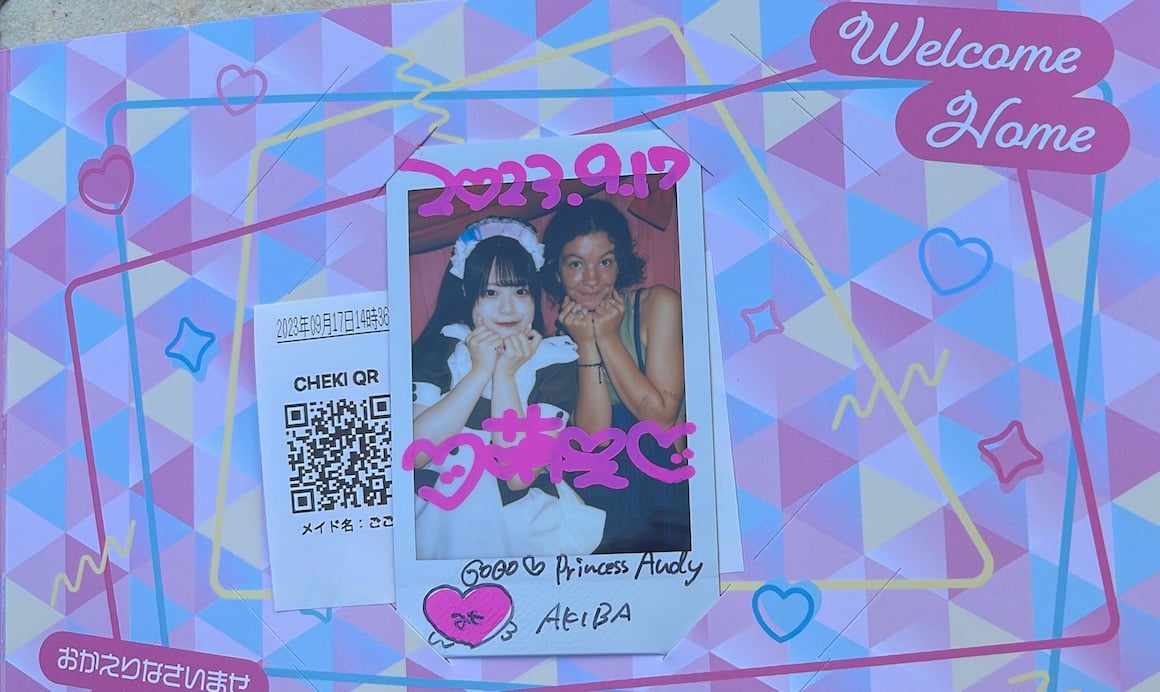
[[555, 481], [324, 424]]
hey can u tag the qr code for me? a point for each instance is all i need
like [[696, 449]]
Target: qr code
[[339, 453]]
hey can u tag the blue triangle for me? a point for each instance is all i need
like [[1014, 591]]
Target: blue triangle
[[1043, 360], [308, 154], [590, 20], [271, 31], [959, 456], [1136, 557], [755, 512], [1136, 215], [1071, 678], [90, 242], [111, 447], [281, 268], [237, 620], [695, 8], [523, 21], [745, 421], [313, 649], [356, 644], [94, 323], [143, 621], [1044, 577], [986, 313], [34, 126], [236, 36], [162, 167], [42, 86], [43, 491], [143, 46], [792, 21], [78, 149], [874, 233]]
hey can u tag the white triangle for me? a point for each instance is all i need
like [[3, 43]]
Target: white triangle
[[28, 368], [28, 617], [44, 167], [952, 186], [1141, 499], [888, 507], [245, 519], [152, 282], [1066, 264], [543, 673], [723, 20], [168, 403], [968, 629], [144, 125], [439, 48], [819, 328]]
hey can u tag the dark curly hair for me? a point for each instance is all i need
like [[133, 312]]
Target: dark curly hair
[[590, 216]]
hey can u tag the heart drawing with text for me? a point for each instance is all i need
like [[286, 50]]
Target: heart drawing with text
[[469, 617]]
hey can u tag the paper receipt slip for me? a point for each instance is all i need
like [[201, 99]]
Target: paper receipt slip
[[324, 418]]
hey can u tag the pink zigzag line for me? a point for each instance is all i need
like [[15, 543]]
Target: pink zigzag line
[[74, 344], [1089, 496]]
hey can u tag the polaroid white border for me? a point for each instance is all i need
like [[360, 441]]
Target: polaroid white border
[[580, 615]]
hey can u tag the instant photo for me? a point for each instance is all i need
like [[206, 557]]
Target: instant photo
[[555, 483]]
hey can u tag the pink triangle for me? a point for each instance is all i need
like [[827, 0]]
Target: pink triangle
[[1127, 442], [644, 64], [806, 463], [167, 73], [901, 188], [963, 559], [490, 43], [812, 148], [1005, 600], [171, 483], [373, 23], [42, 247], [167, 231], [551, 13], [881, 321]]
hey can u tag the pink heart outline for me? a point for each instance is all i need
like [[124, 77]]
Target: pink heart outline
[[665, 438], [471, 177], [105, 184], [470, 617], [578, 459], [481, 462], [242, 74]]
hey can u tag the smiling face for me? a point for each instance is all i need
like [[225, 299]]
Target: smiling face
[[504, 309], [588, 269]]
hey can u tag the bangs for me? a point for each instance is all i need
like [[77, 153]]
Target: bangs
[[509, 272], [512, 264]]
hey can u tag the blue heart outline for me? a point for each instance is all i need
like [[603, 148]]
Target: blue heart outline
[[959, 242], [784, 594]]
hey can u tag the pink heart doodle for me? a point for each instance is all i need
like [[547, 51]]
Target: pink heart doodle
[[242, 85], [484, 176], [480, 462], [675, 474], [106, 183], [598, 465], [469, 617]]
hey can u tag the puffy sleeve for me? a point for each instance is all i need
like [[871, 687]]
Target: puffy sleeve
[[430, 376], [555, 390]]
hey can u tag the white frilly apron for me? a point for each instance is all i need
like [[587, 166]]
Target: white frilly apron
[[482, 526]]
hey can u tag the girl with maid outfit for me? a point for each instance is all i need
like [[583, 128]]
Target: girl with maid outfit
[[481, 354], [631, 368]]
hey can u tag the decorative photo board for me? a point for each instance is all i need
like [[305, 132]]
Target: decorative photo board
[[789, 346]]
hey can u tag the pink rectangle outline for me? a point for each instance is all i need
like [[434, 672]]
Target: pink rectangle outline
[[764, 671]]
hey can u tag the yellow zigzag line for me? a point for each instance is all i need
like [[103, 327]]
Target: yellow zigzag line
[[428, 87], [915, 368], [74, 586]]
